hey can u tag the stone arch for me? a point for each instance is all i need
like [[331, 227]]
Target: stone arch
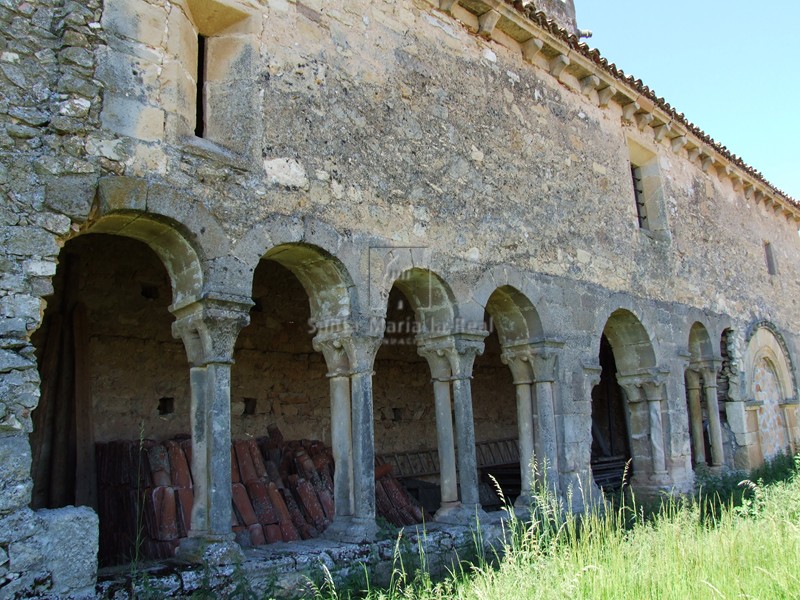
[[629, 397], [515, 317], [770, 384], [320, 256], [765, 341], [168, 239], [702, 402], [431, 298], [700, 346], [327, 282], [632, 345]]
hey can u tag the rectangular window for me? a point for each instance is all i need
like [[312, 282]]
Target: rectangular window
[[199, 128], [772, 267], [638, 194]]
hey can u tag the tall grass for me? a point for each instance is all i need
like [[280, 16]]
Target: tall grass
[[727, 541]]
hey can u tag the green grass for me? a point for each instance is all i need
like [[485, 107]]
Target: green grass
[[727, 541]]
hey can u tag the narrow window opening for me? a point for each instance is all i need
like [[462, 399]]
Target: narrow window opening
[[772, 267], [166, 406], [638, 193], [249, 407], [199, 129]]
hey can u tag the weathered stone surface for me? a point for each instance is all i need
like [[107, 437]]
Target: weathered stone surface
[[71, 195], [69, 540], [15, 482]]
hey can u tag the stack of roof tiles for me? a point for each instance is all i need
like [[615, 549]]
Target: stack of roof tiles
[[282, 492]]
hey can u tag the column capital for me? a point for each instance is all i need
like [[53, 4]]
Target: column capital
[[459, 349], [518, 359], [643, 385], [209, 328], [692, 379], [346, 352]]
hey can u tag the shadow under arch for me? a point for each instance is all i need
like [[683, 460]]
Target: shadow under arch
[[330, 288], [431, 298], [513, 314], [168, 240]]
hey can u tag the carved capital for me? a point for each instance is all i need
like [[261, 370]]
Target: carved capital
[[643, 385], [459, 350], [347, 353], [692, 379], [209, 328], [518, 359]]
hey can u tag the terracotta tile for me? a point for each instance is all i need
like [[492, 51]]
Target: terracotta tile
[[247, 470], [257, 537], [179, 466], [259, 497], [241, 502]]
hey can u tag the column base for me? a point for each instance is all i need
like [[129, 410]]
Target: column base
[[352, 530], [455, 513], [210, 550]]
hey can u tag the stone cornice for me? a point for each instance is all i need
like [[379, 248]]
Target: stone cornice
[[545, 44]]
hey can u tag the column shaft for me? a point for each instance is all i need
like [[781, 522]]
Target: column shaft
[[465, 430], [201, 508], [342, 444], [547, 432], [363, 446], [714, 425], [696, 424], [218, 448], [446, 444], [657, 437], [525, 425]]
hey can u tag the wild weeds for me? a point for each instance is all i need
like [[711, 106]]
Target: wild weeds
[[726, 541]]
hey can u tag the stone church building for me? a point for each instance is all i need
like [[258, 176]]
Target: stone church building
[[404, 229]]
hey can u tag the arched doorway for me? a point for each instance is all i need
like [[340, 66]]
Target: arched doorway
[[114, 380], [635, 370]]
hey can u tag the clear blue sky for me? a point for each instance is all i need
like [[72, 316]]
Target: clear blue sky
[[732, 67]]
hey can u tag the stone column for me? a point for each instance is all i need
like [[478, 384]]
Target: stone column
[[695, 416], [709, 373], [521, 371], [440, 372], [341, 422], [654, 395], [361, 351], [209, 329], [544, 361], [462, 357], [350, 360]]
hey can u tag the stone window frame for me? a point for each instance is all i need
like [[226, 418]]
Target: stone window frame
[[769, 255], [647, 190], [227, 26]]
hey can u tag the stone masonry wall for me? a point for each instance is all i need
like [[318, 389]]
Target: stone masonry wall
[[349, 125]]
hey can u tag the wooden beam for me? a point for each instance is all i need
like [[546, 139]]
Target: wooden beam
[[85, 470]]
